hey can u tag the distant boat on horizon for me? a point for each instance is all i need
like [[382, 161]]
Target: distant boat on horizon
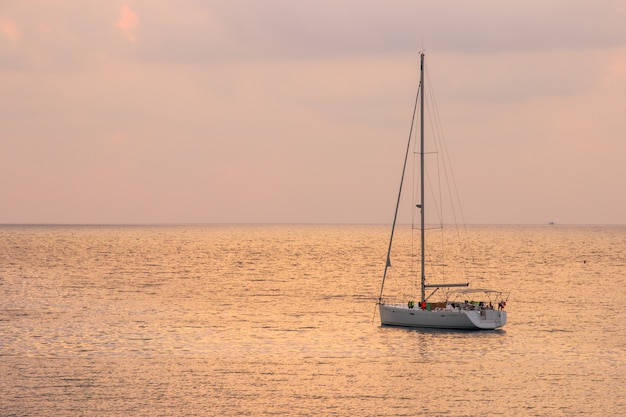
[[449, 313]]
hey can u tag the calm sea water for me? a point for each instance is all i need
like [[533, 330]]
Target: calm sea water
[[258, 320]]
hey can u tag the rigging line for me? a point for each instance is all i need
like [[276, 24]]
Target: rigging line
[[395, 216], [436, 126], [437, 147], [456, 208], [455, 200], [439, 211], [374, 315], [434, 190], [439, 140], [452, 186], [437, 199], [446, 157]]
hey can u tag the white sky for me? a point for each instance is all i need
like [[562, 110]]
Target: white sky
[[298, 111]]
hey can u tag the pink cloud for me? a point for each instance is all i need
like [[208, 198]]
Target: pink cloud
[[9, 29], [117, 138], [127, 23]]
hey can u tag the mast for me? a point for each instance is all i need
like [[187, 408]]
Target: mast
[[421, 205]]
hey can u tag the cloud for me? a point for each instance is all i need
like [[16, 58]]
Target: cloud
[[127, 23], [9, 29], [227, 103], [218, 31]]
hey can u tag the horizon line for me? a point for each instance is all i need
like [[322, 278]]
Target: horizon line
[[554, 224]]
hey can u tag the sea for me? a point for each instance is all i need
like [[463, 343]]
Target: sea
[[232, 320]]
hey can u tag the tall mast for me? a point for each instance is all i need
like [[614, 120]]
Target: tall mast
[[422, 172]]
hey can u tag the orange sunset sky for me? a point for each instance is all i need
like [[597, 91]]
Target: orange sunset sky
[[287, 111]]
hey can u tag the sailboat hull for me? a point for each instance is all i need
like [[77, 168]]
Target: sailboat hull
[[449, 318]]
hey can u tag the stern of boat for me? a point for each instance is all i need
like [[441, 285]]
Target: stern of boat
[[488, 318]]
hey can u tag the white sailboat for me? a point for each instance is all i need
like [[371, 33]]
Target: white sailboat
[[455, 312]]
